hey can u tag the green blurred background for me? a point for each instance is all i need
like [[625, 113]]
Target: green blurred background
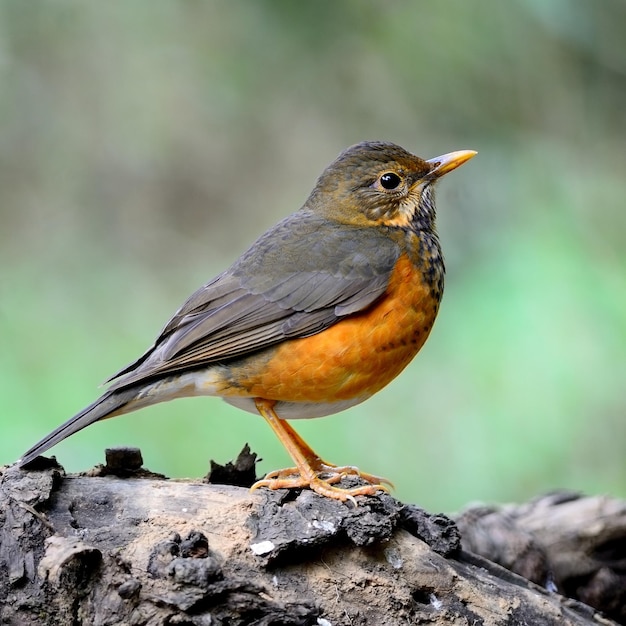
[[143, 146]]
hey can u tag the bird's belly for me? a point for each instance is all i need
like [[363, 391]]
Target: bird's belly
[[349, 361]]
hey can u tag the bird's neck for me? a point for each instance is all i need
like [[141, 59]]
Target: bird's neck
[[424, 251]]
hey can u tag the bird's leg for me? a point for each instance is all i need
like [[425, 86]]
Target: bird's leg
[[321, 466], [309, 467]]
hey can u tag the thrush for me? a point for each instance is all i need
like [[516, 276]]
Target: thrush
[[320, 313]]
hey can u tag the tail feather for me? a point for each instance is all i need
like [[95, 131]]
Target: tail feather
[[110, 404]]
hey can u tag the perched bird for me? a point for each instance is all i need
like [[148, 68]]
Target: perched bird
[[324, 310]]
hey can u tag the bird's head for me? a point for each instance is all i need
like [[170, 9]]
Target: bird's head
[[378, 183]]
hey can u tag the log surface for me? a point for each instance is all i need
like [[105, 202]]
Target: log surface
[[143, 550]]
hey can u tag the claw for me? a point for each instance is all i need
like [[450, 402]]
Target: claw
[[324, 487]]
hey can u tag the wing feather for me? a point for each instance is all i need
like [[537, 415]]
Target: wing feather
[[317, 273]]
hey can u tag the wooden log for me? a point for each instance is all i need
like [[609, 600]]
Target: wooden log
[[124, 546]]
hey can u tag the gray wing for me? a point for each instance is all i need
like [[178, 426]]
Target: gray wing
[[299, 278]]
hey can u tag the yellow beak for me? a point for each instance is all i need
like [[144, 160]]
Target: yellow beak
[[445, 163]]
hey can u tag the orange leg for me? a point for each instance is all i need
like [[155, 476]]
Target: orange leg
[[309, 467]]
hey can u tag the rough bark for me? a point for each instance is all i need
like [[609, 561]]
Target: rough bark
[[572, 544], [124, 546]]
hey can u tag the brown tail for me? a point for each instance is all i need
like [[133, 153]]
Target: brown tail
[[110, 404]]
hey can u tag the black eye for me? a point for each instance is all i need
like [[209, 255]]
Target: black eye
[[390, 180]]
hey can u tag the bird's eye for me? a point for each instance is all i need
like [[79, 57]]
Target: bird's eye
[[390, 180]]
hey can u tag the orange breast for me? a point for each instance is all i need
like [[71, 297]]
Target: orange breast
[[356, 357]]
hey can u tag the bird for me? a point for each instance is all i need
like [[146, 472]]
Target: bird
[[320, 313]]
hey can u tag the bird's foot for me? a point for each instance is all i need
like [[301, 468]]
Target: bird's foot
[[320, 477]]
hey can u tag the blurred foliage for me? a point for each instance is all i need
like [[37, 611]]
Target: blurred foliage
[[143, 146]]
